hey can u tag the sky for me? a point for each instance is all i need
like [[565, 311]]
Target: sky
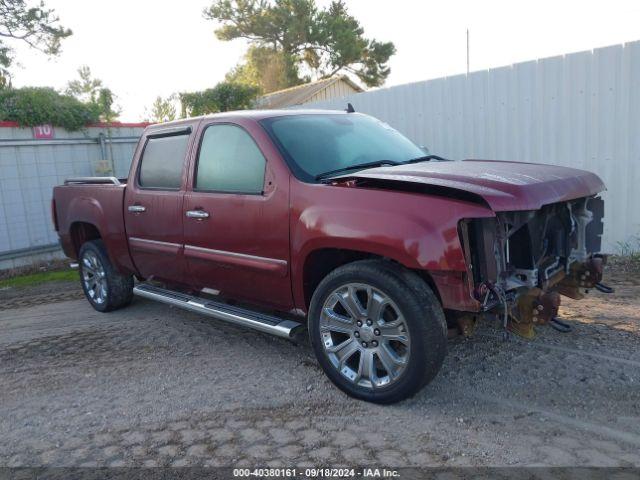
[[145, 48]]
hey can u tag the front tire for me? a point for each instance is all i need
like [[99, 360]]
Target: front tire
[[377, 330], [105, 288]]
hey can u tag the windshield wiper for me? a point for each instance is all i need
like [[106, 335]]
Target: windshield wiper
[[377, 163], [426, 158]]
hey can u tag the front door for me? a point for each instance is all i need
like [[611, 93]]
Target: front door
[[153, 206], [236, 219]]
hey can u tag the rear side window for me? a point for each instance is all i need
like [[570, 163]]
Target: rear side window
[[162, 162], [229, 161]]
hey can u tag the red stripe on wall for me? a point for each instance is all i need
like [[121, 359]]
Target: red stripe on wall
[[6, 124]]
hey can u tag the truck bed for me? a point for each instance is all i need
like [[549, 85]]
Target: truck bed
[[84, 204]]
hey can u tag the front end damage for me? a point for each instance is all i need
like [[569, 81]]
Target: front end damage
[[520, 263]]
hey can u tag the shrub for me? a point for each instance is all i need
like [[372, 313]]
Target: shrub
[[31, 106], [223, 97]]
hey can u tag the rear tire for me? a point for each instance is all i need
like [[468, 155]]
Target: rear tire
[[105, 288], [378, 331]]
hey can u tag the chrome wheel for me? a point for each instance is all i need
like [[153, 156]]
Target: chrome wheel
[[94, 277], [365, 336]]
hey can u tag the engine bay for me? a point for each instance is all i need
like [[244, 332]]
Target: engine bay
[[522, 262]]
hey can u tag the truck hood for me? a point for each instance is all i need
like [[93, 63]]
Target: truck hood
[[504, 186]]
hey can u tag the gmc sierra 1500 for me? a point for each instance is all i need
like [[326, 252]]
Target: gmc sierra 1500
[[277, 220]]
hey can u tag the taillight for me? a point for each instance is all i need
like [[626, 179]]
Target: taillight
[[54, 214]]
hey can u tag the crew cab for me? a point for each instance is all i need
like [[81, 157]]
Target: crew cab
[[334, 222]]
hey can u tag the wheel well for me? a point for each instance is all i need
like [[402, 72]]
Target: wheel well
[[82, 232], [321, 262]]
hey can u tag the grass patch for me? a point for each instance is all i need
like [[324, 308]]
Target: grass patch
[[40, 277], [628, 259]]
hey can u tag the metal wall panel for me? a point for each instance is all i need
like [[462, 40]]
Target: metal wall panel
[[29, 169], [580, 110]]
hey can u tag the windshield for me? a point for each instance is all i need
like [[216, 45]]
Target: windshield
[[315, 144]]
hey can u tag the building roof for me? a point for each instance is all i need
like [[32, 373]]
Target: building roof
[[301, 93]]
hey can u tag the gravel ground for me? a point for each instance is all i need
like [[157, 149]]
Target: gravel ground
[[152, 385], [51, 292]]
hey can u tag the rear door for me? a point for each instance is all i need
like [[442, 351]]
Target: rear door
[[153, 204], [236, 216]]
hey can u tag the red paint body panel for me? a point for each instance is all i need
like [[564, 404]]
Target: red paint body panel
[[251, 262], [100, 206], [418, 231], [157, 233], [505, 186], [455, 290], [242, 249], [255, 247]]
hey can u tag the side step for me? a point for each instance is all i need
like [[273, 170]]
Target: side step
[[232, 314]]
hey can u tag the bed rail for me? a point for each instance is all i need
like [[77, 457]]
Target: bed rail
[[92, 181]]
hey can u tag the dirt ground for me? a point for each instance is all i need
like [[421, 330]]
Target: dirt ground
[[151, 385]]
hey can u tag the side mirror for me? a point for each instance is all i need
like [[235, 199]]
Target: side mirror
[[425, 149]]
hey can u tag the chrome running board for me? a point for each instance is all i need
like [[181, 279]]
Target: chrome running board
[[228, 313]]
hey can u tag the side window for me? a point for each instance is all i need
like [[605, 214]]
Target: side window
[[162, 162], [229, 161]]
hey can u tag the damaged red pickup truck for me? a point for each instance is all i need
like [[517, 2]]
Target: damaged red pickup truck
[[277, 220]]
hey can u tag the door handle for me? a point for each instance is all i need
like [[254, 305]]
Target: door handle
[[137, 208], [197, 214]]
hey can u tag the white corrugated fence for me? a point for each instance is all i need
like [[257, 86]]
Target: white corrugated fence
[[30, 166], [580, 110]]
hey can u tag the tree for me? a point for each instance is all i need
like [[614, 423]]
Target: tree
[[223, 97], [264, 68], [322, 42], [104, 104], [91, 91], [162, 110], [86, 88], [37, 26]]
